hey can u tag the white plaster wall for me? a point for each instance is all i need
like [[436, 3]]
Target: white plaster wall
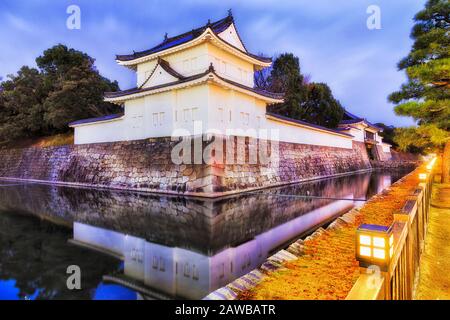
[[214, 107], [386, 147], [233, 112], [101, 132], [295, 134], [159, 76], [197, 59], [101, 238], [187, 62], [231, 67], [241, 106], [358, 134], [160, 270], [191, 107]]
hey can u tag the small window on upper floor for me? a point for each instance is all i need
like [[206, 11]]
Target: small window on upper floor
[[194, 114], [162, 264], [186, 115], [245, 117], [220, 114]]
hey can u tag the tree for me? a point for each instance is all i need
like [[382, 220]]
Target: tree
[[321, 107], [21, 104], [310, 102], [426, 94], [65, 87], [285, 77]]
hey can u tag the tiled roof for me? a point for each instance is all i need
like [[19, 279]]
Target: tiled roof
[[307, 124], [98, 119], [191, 78], [166, 66], [350, 118], [217, 27]]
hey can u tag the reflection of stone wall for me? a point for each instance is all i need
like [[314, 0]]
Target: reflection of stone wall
[[146, 165], [200, 225]]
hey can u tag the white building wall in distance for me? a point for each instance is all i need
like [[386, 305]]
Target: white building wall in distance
[[304, 135], [386, 147], [114, 130], [357, 133]]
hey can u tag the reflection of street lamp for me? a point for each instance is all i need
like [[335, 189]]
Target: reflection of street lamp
[[423, 176], [374, 245]]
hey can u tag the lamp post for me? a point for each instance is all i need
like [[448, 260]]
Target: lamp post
[[374, 245]]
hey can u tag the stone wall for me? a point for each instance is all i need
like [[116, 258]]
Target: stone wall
[[146, 165]]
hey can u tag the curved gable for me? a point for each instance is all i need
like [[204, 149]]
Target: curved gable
[[161, 74], [231, 36]]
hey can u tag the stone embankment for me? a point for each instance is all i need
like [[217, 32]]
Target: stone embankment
[[146, 165]]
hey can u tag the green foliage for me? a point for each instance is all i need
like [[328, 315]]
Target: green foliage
[[426, 95], [310, 102], [65, 87], [321, 107], [286, 78], [424, 138]]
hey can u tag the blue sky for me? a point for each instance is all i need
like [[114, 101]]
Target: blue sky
[[329, 36]]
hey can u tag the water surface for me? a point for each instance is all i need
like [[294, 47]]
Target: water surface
[[169, 247]]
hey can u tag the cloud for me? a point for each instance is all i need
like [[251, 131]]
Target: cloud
[[329, 37]]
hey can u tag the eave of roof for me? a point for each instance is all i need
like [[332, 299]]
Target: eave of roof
[[109, 117], [112, 96], [307, 124], [350, 118], [173, 42]]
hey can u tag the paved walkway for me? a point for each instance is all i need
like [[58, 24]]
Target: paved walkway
[[434, 283]]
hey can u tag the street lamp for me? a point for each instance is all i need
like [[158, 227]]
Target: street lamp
[[374, 245]]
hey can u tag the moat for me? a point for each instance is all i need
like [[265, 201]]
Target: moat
[[170, 247]]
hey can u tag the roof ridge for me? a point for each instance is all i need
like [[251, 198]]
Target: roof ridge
[[195, 32], [208, 24], [166, 66]]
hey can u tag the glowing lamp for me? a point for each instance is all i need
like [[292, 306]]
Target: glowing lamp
[[422, 176], [374, 245], [431, 164]]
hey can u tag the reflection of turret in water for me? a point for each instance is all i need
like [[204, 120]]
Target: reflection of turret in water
[[179, 272]]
